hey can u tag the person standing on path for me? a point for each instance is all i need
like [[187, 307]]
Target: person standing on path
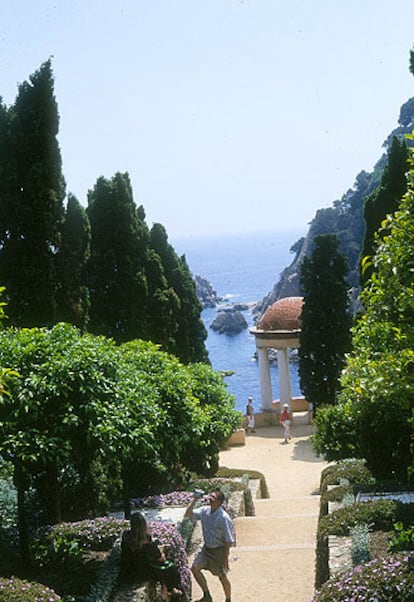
[[218, 534], [285, 421], [250, 415]]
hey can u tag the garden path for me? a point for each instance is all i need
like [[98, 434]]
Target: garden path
[[274, 558]]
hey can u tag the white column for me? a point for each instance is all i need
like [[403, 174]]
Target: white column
[[284, 378], [265, 381]]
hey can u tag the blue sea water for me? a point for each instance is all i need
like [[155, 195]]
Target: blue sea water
[[241, 268]]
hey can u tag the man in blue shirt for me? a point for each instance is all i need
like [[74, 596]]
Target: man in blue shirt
[[218, 534]]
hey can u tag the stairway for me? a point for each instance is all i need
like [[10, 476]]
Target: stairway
[[274, 556]]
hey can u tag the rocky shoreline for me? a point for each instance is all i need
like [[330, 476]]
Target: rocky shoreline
[[229, 319]]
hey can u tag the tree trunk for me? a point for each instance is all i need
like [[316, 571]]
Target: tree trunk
[[20, 484]]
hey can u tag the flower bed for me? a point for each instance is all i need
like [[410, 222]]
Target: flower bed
[[20, 590], [386, 579]]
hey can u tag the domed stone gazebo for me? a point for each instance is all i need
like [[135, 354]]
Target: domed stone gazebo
[[279, 329]]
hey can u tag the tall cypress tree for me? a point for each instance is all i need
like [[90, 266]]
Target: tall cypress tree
[[384, 200], [116, 269], [72, 257], [164, 304], [326, 321], [189, 337], [32, 206], [6, 171]]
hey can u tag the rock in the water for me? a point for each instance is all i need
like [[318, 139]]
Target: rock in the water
[[242, 306], [229, 322], [205, 292]]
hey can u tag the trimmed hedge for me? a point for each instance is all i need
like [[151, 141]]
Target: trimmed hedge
[[231, 473]]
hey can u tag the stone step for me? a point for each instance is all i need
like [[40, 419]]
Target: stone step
[[260, 531], [286, 506]]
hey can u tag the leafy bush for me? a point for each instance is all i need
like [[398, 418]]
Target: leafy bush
[[19, 590], [402, 539], [381, 514], [335, 436], [383, 579], [58, 543], [348, 499], [384, 435], [129, 405], [68, 556]]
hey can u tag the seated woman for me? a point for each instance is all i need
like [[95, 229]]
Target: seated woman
[[142, 560]]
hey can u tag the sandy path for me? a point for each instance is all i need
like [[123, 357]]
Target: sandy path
[[274, 559]]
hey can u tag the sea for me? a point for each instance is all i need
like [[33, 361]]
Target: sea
[[242, 268]]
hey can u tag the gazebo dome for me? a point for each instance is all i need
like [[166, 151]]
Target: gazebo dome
[[283, 315]]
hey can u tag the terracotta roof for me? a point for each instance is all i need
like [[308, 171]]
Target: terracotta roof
[[282, 315]]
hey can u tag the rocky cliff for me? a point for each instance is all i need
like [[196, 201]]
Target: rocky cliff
[[205, 292], [345, 219]]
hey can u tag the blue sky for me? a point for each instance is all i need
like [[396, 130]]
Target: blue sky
[[230, 116]]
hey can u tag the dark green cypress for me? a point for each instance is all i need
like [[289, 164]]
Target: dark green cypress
[[188, 340], [116, 269], [326, 321], [383, 201], [32, 205], [73, 301]]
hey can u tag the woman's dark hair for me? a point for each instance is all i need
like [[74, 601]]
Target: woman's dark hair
[[138, 529]]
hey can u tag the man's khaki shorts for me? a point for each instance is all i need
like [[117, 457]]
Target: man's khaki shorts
[[211, 559]]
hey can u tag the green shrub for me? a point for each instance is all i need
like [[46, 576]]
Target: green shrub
[[19, 590], [388, 579], [322, 560], [402, 539], [66, 555], [66, 541], [335, 436], [347, 474], [353, 470], [381, 514], [231, 473]]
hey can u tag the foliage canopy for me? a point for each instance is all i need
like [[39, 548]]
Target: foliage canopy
[[375, 405]]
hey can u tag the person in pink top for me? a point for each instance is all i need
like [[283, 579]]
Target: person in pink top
[[285, 421]]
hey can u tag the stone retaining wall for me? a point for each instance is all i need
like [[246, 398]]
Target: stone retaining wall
[[339, 548]]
